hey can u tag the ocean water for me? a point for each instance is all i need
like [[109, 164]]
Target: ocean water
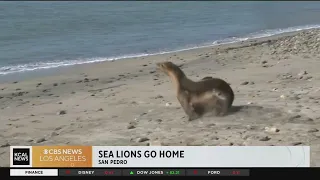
[[44, 35]]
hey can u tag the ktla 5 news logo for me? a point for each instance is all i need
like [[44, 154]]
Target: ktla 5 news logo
[[21, 156]]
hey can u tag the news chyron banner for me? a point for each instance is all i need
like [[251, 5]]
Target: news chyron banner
[[159, 156]]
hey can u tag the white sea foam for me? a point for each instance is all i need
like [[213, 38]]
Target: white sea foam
[[60, 63]]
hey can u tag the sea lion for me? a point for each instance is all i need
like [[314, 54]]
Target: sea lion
[[199, 97]]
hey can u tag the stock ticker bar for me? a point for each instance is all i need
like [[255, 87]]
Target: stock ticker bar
[[129, 172], [103, 172]]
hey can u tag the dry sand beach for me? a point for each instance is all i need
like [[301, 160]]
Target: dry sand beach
[[128, 102]]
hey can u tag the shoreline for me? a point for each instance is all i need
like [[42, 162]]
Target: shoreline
[[128, 102], [16, 76]]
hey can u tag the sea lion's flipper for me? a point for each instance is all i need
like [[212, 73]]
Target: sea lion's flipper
[[183, 98], [193, 116], [209, 102], [222, 107], [198, 108]]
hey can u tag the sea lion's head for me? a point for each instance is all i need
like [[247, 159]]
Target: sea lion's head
[[166, 67], [171, 69]]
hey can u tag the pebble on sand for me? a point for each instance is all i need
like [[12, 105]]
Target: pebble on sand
[[271, 129], [245, 83], [40, 140], [291, 118], [142, 114], [264, 62], [210, 125], [302, 73], [313, 130], [265, 138], [159, 97], [168, 104], [62, 112], [142, 139], [54, 134], [296, 143], [131, 126], [100, 109], [58, 128]]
